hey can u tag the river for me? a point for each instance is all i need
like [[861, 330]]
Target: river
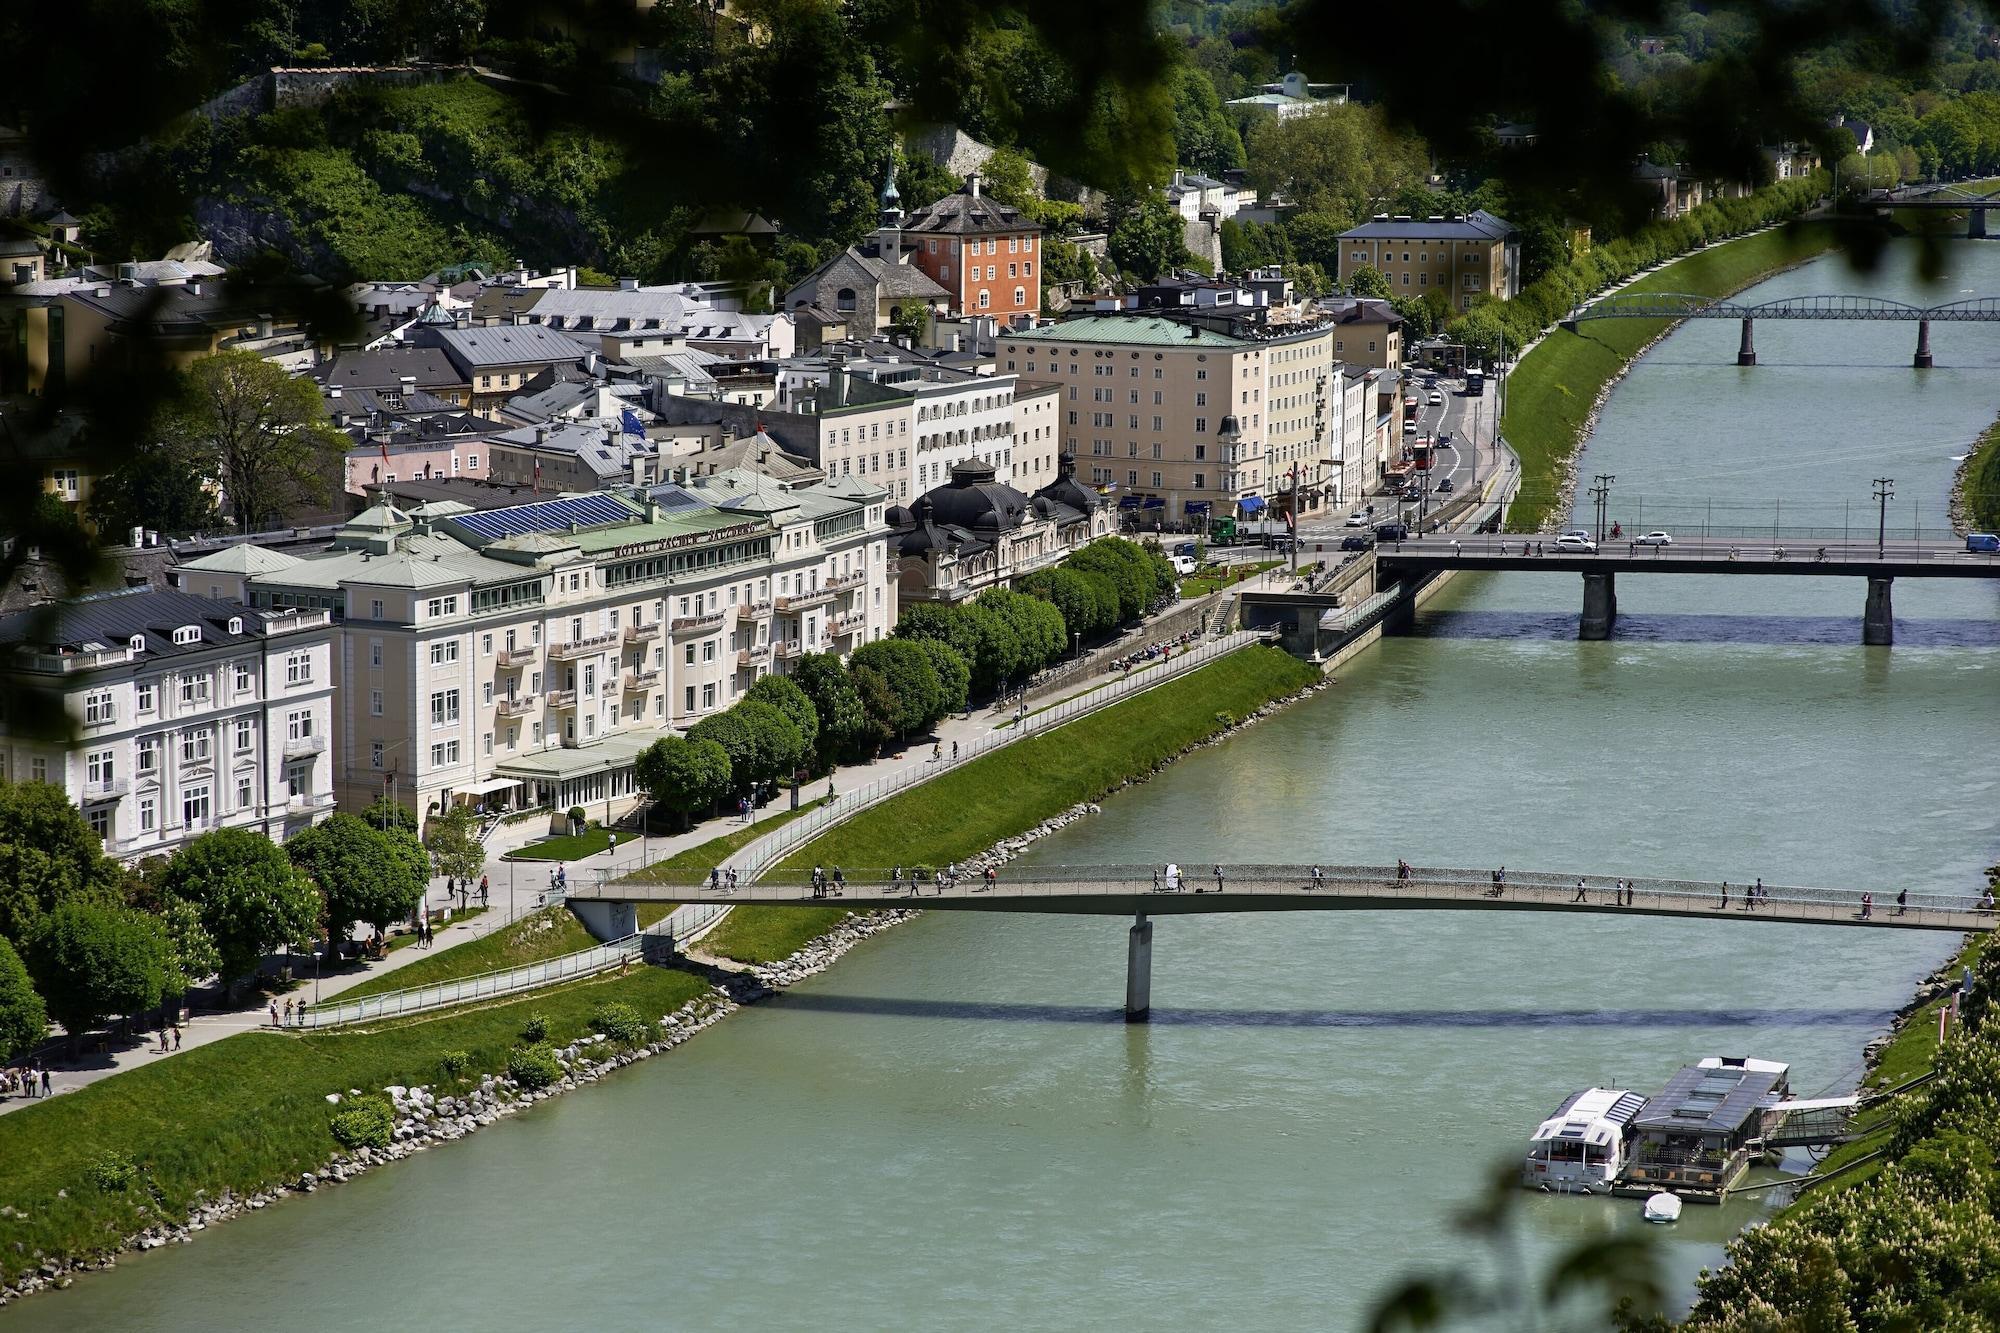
[[953, 1128]]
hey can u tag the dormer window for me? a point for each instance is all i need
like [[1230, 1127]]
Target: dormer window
[[137, 643], [188, 634], [236, 624]]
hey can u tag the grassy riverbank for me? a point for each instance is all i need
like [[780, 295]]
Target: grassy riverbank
[[967, 810], [1550, 394], [245, 1114], [1982, 482]]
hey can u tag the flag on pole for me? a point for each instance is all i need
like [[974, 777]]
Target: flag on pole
[[538, 477], [630, 421]]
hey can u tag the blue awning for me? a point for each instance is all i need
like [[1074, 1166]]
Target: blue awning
[[1155, 502], [1197, 506], [1251, 504], [1128, 502]]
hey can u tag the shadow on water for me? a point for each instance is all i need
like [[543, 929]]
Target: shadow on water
[[1640, 627], [880, 1006]]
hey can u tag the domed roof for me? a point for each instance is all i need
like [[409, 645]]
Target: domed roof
[[976, 500], [1067, 490]]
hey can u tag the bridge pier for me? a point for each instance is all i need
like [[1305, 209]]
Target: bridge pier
[[607, 921], [1600, 606], [1975, 224], [1746, 352], [1878, 624], [1923, 361], [1139, 970]]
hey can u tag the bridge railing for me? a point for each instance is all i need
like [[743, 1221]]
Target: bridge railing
[[1719, 545]]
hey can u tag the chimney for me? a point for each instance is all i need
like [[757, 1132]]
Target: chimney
[[972, 185], [409, 383], [541, 435], [628, 284], [128, 275], [459, 319]]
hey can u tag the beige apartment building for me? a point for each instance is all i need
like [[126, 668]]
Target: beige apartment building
[[1181, 421], [524, 656], [1465, 257]]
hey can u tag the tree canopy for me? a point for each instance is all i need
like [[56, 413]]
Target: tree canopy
[[363, 873], [91, 961], [261, 432], [684, 775], [252, 899], [24, 1019], [843, 726], [48, 856]]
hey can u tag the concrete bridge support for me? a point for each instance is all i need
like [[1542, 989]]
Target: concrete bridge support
[[1878, 623], [1600, 606], [1975, 224], [1139, 970], [1746, 352], [607, 921], [1923, 361]]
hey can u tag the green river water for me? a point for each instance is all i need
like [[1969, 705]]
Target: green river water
[[954, 1129]]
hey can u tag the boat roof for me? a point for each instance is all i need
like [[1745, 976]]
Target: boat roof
[[1595, 1115], [1714, 1096]]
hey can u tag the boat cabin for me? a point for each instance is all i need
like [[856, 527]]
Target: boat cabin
[[1582, 1144], [1701, 1133]]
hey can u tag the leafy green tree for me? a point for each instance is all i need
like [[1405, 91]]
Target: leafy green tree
[[190, 952], [730, 731], [1035, 626], [684, 776], [161, 487], [922, 182], [915, 695], [1368, 281], [90, 962], [24, 1019], [1204, 136], [388, 814], [843, 726], [1141, 577], [261, 432], [1315, 238], [879, 709], [954, 676], [1148, 238], [451, 27], [1087, 604], [785, 696], [48, 856], [1063, 263], [452, 839], [252, 899], [363, 873], [1345, 160], [779, 747]]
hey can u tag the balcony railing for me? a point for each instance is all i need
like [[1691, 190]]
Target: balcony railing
[[755, 609], [846, 581], [641, 633], [562, 698], [848, 623], [785, 648], [311, 800], [804, 600], [521, 656], [514, 705], [700, 624], [596, 643], [106, 791], [54, 663], [751, 656], [635, 681], [299, 746]]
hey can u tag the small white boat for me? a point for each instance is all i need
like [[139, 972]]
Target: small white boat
[[1663, 1207]]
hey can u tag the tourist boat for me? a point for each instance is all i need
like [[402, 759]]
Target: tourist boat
[[1663, 1207], [1705, 1129], [1581, 1148]]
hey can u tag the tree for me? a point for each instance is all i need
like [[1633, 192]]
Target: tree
[[1204, 136], [1035, 626], [451, 27], [1315, 238], [684, 775], [785, 696], [1368, 281], [252, 899], [1342, 159], [190, 952], [732, 733], [388, 814], [1148, 238], [91, 961], [915, 695], [954, 676], [453, 843], [843, 726], [778, 749], [162, 487], [24, 1019], [878, 708], [922, 182], [1087, 603], [261, 432], [48, 856], [363, 873]]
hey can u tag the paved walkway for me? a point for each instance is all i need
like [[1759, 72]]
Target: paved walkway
[[519, 887]]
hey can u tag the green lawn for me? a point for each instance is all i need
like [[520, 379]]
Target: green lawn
[[567, 847], [1551, 391], [248, 1112], [1206, 581], [768, 934], [549, 933], [681, 867]]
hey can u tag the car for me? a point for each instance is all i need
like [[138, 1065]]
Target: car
[[1655, 539], [1576, 541], [1392, 532], [1444, 438], [1410, 495], [1444, 486], [1357, 519], [1359, 541], [1985, 542], [1409, 428], [1437, 399], [1183, 564]]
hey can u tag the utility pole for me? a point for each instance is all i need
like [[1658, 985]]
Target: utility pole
[[1885, 491], [1601, 490]]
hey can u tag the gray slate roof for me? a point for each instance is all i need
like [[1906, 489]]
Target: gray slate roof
[[1476, 226]]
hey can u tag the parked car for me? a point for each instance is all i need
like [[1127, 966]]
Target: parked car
[[1986, 542], [1655, 539], [1357, 519], [1575, 541], [1183, 564], [1392, 532], [1444, 486], [1359, 541]]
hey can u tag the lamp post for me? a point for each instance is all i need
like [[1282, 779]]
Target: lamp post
[[1885, 491]]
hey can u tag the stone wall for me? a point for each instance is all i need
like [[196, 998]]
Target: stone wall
[[316, 87]]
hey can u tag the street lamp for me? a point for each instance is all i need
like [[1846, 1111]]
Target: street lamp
[[1885, 491]]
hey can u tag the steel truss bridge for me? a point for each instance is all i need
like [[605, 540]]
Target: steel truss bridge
[[1682, 305]]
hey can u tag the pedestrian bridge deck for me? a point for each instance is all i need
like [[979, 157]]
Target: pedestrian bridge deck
[[1130, 891]]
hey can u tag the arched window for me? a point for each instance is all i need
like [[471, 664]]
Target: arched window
[[844, 299]]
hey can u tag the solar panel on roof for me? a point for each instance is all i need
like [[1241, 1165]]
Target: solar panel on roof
[[546, 516], [671, 498]]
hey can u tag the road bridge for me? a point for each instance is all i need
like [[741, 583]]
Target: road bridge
[[1145, 892], [1940, 199], [1682, 305], [1880, 563]]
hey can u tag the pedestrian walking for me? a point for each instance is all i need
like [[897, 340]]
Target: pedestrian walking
[[1218, 879], [732, 877], [1725, 896], [288, 1013], [163, 1040], [992, 877], [177, 1036], [482, 890], [1581, 895], [552, 879], [714, 878], [1867, 905], [954, 752], [1756, 892], [1319, 878], [48, 1085], [1902, 901], [611, 841], [273, 1006]]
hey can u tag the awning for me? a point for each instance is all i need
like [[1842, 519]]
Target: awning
[[488, 787], [1128, 502], [1251, 504], [558, 763], [1197, 506], [1155, 502]]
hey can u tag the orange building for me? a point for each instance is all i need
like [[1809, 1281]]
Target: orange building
[[986, 254]]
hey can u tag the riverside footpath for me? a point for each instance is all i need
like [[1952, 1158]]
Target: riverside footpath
[[517, 888]]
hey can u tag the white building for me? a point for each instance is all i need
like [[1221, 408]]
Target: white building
[[188, 714]]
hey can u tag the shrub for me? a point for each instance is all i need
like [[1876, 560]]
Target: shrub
[[453, 1064], [533, 1067], [366, 1123], [535, 1029], [112, 1171], [577, 815], [620, 1022], [1225, 719]]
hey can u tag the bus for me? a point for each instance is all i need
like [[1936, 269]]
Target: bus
[[1475, 383], [1413, 407], [1422, 453]]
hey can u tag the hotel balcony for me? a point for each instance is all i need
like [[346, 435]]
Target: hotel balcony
[[297, 747], [751, 656], [641, 633], [596, 643], [805, 600], [520, 657], [515, 705], [848, 624], [755, 609], [784, 649], [562, 698], [310, 801], [638, 681], [846, 581], [701, 624], [106, 791]]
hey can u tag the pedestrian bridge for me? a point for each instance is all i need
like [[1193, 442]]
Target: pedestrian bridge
[[1684, 305], [1144, 892]]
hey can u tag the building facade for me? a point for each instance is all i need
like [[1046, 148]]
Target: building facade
[[189, 714], [983, 253], [1466, 257]]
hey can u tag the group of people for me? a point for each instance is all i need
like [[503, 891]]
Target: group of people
[[828, 885], [720, 877], [1621, 892], [463, 891], [1169, 879], [1161, 651], [293, 1015], [26, 1081]]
